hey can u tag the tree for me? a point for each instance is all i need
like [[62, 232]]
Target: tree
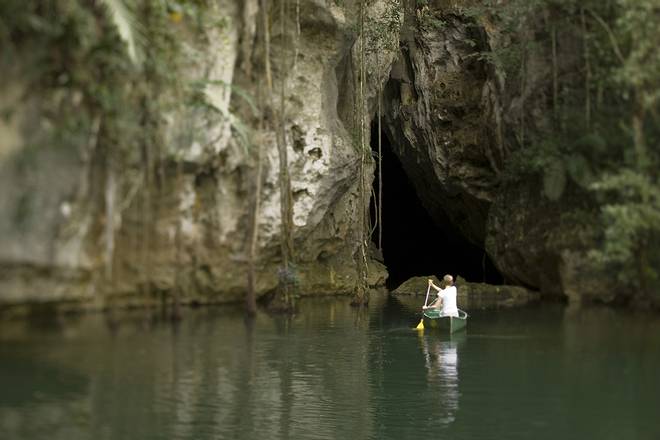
[[361, 296], [630, 190]]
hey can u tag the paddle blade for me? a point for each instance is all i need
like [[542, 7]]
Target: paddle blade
[[420, 326]]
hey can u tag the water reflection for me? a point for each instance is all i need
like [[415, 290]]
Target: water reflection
[[333, 371], [441, 362]]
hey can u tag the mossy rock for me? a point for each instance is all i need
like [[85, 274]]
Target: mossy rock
[[415, 285], [474, 295], [482, 295]]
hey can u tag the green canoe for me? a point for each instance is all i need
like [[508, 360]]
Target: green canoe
[[432, 319]]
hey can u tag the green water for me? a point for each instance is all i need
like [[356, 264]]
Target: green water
[[333, 372]]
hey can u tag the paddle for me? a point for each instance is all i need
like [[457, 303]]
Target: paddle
[[420, 326]]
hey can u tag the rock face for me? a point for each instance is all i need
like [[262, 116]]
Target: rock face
[[106, 214], [81, 225], [415, 286], [454, 120], [517, 238], [438, 111], [473, 296]]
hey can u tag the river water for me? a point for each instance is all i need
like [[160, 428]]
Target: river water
[[333, 372]]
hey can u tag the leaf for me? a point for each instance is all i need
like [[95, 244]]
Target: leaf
[[554, 179], [125, 23], [242, 131], [592, 144], [580, 170]]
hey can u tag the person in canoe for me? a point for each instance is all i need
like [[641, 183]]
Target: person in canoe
[[446, 297]]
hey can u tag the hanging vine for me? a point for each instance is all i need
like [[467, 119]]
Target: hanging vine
[[361, 292], [251, 295], [379, 207], [287, 276]]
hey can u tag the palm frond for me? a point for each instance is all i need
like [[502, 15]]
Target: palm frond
[[126, 24]]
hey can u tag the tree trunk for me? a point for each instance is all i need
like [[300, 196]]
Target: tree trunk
[[269, 76], [638, 116], [555, 82], [642, 263]]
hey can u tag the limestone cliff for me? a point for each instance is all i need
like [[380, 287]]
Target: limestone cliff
[[131, 183], [90, 223]]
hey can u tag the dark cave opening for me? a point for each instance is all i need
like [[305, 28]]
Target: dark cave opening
[[413, 244]]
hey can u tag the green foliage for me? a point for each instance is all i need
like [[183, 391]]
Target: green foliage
[[126, 25], [554, 179], [580, 170], [382, 32], [629, 191], [81, 60], [631, 214], [23, 210], [429, 19], [513, 19], [199, 85], [579, 229], [557, 161], [638, 31], [601, 131]]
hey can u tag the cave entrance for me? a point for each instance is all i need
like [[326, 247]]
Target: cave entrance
[[413, 244]]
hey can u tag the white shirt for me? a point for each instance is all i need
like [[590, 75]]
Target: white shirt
[[448, 296]]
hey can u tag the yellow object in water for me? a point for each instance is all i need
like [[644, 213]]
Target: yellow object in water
[[420, 326]]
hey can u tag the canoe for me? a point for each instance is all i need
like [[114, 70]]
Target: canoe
[[432, 319]]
